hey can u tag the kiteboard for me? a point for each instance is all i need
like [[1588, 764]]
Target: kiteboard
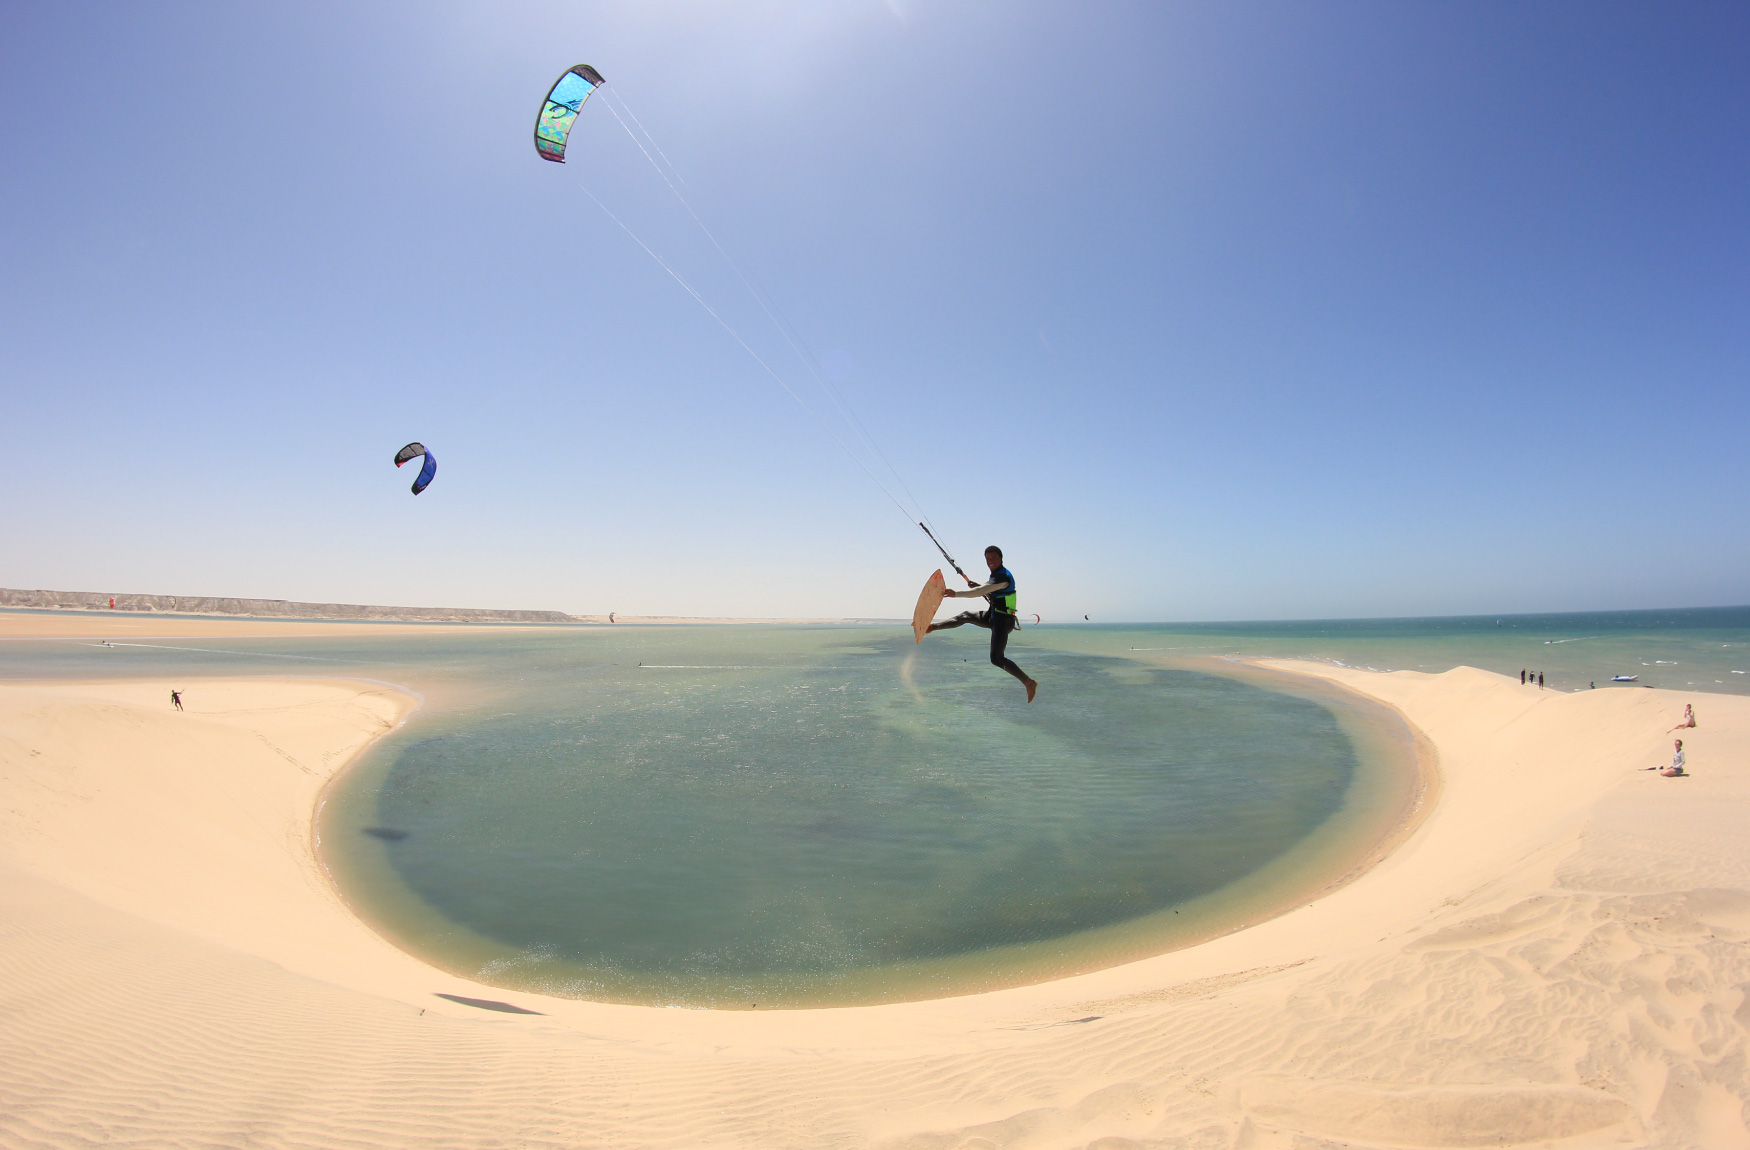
[[935, 590]]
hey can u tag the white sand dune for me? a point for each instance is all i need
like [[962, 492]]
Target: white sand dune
[[1559, 955]]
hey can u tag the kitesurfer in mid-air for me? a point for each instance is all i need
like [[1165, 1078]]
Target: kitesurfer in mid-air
[[999, 617]]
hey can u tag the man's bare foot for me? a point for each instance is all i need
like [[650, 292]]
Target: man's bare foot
[[1032, 688]]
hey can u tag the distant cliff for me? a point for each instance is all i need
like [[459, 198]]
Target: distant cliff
[[264, 608]]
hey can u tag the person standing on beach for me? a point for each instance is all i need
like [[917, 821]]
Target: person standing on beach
[[999, 617], [1522, 676], [176, 699], [1540, 680]]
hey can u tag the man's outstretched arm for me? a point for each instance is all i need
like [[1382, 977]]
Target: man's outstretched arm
[[991, 588]]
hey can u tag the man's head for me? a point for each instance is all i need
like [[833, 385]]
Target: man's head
[[993, 556]]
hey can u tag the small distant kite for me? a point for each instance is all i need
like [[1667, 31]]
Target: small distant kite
[[559, 110], [426, 473]]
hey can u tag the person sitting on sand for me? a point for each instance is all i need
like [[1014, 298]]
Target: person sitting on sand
[[1677, 763], [1688, 717]]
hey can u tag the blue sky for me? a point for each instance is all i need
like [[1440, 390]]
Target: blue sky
[[1202, 311]]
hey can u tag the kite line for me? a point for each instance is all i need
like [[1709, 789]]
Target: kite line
[[757, 290], [559, 111], [671, 177], [745, 346]]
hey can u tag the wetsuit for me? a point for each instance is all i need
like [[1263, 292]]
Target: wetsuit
[[999, 617]]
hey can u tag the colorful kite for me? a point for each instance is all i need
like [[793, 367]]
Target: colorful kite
[[559, 110]]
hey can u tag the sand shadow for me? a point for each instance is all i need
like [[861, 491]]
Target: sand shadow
[[488, 1004]]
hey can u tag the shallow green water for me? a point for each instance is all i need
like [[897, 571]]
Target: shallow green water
[[798, 816]]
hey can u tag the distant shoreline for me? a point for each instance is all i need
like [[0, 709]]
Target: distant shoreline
[[226, 607]]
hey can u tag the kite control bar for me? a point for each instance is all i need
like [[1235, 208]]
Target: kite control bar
[[947, 556]]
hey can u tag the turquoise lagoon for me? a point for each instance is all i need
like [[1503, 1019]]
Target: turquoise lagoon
[[801, 816]]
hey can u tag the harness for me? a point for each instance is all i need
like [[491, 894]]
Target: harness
[[1003, 602]]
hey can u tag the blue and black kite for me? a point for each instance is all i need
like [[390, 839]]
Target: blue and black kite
[[426, 473]]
